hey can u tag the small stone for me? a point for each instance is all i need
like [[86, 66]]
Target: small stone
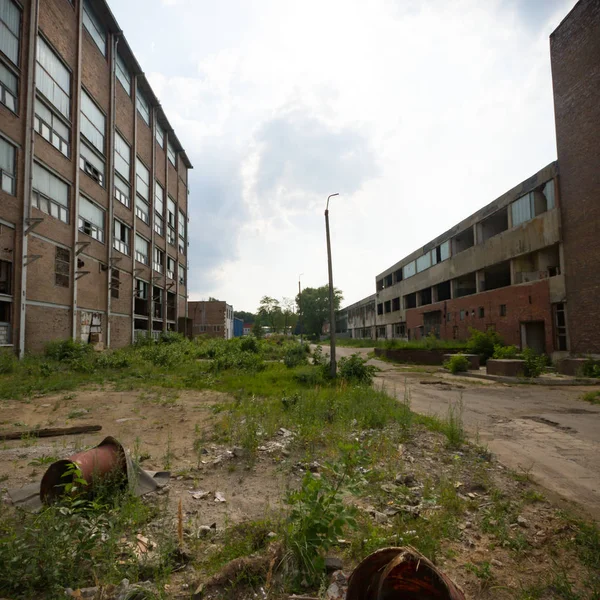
[[522, 521], [285, 452], [219, 497], [407, 479], [314, 467], [204, 531], [379, 516], [271, 535], [332, 564], [496, 562]]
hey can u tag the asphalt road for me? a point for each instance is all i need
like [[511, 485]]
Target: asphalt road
[[546, 431]]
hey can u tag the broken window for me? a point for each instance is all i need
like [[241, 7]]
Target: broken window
[[503, 310], [465, 285], [62, 267], [50, 194], [425, 296], [159, 260], [533, 204], [389, 281], [464, 240], [170, 267], [443, 291], [171, 306], [91, 163], [142, 249], [380, 308], [395, 304], [387, 306], [410, 300], [7, 167], [497, 276], [398, 276], [5, 277], [494, 224], [157, 302], [481, 312], [380, 285], [560, 327], [462, 315], [114, 283], [121, 237], [91, 219], [141, 298]]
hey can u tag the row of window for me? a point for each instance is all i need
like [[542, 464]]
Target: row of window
[[62, 275], [466, 314], [522, 210], [50, 194]]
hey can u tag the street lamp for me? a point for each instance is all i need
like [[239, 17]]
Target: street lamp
[[300, 307], [331, 307]]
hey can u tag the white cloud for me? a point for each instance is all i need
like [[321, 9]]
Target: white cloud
[[418, 112]]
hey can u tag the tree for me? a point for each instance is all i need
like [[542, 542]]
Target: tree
[[290, 318], [270, 313], [257, 328], [245, 316], [314, 303]]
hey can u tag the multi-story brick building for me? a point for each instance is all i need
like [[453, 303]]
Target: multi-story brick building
[[527, 264], [211, 318], [94, 183]]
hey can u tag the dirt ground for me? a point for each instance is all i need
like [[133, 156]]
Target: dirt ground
[[168, 430], [547, 431], [161, 427]]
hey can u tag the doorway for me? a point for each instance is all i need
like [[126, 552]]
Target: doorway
[[533, 335]]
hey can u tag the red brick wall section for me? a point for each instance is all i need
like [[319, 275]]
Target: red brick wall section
[[120, 331], [575, 53], [210, 314], [526, 302], [44, 325]]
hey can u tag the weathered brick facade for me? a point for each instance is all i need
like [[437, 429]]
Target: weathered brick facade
[[211, 318], [575, 52], [98, 278]]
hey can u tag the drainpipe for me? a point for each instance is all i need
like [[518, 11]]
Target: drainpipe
[[133, 188], [152, 234], [75, 157], [111, 180], [28, 168]]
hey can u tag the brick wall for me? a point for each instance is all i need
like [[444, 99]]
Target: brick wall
[[524, 303], [44, 325], [575, 53], [209, 314]]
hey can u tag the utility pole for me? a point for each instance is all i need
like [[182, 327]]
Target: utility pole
[[300, 307], [331, 294]]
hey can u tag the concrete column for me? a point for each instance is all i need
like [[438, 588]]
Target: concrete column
[[479, 281], [434, 294]]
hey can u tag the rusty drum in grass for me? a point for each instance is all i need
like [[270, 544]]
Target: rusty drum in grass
[[400, 574], [106, 459]]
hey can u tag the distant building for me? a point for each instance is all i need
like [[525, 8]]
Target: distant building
[[359, 319], [211, 318], [238, 327], [248, 328]]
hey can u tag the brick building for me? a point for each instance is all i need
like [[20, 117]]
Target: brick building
[[527, 264], [94, 183], [575, 53], [211, 318]]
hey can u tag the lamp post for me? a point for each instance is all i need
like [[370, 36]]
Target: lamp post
[[300, 307], [331, 294]]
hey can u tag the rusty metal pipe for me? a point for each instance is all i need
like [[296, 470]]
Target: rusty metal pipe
[[96, 464], [400, 573]]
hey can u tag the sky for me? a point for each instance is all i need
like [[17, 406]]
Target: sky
[[417, 112]]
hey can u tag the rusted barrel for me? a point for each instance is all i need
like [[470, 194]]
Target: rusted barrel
[[106, 459], [400, 573]]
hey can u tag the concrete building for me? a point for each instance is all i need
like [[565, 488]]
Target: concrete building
[[501, 269], [94, 183], [575, 53], [360, 318], [211, 318]]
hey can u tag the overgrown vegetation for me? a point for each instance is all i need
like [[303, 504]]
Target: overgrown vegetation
[[457, 363], [505, 352], [591, 397], [428, 343], [591, 368], [483, 343]]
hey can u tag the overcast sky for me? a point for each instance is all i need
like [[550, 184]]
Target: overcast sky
[[418, 112]]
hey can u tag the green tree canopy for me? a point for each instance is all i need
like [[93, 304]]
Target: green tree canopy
[[245, 316], [313, 306], [270, 314]]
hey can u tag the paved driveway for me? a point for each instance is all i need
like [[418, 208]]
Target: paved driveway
[[544, 430]]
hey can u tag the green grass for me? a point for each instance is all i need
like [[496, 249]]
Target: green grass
[[424, 344], [591, 397]]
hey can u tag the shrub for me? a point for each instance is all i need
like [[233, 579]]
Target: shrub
[[534, 363], [318, 356], [309, 375], [355, 369], [295, 356], [113, 360], [64, 350], [591, 369], [483, 342], [457, 363], [249, 344], [171, 337], [317, 519], [505, 351], [8, 361]]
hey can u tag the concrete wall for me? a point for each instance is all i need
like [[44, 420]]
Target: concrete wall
[[575, 53]]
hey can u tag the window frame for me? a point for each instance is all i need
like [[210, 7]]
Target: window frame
[[119, 244], [85, 118], [138, 254], [41, 69], [123, 73], [96, 172], [36, 195], [62, 261], [11, 177], [140, 101], [9, 31], [158, 253], [98, 29], [6, 91], [88, 227], [48, 131], [171, 151]]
